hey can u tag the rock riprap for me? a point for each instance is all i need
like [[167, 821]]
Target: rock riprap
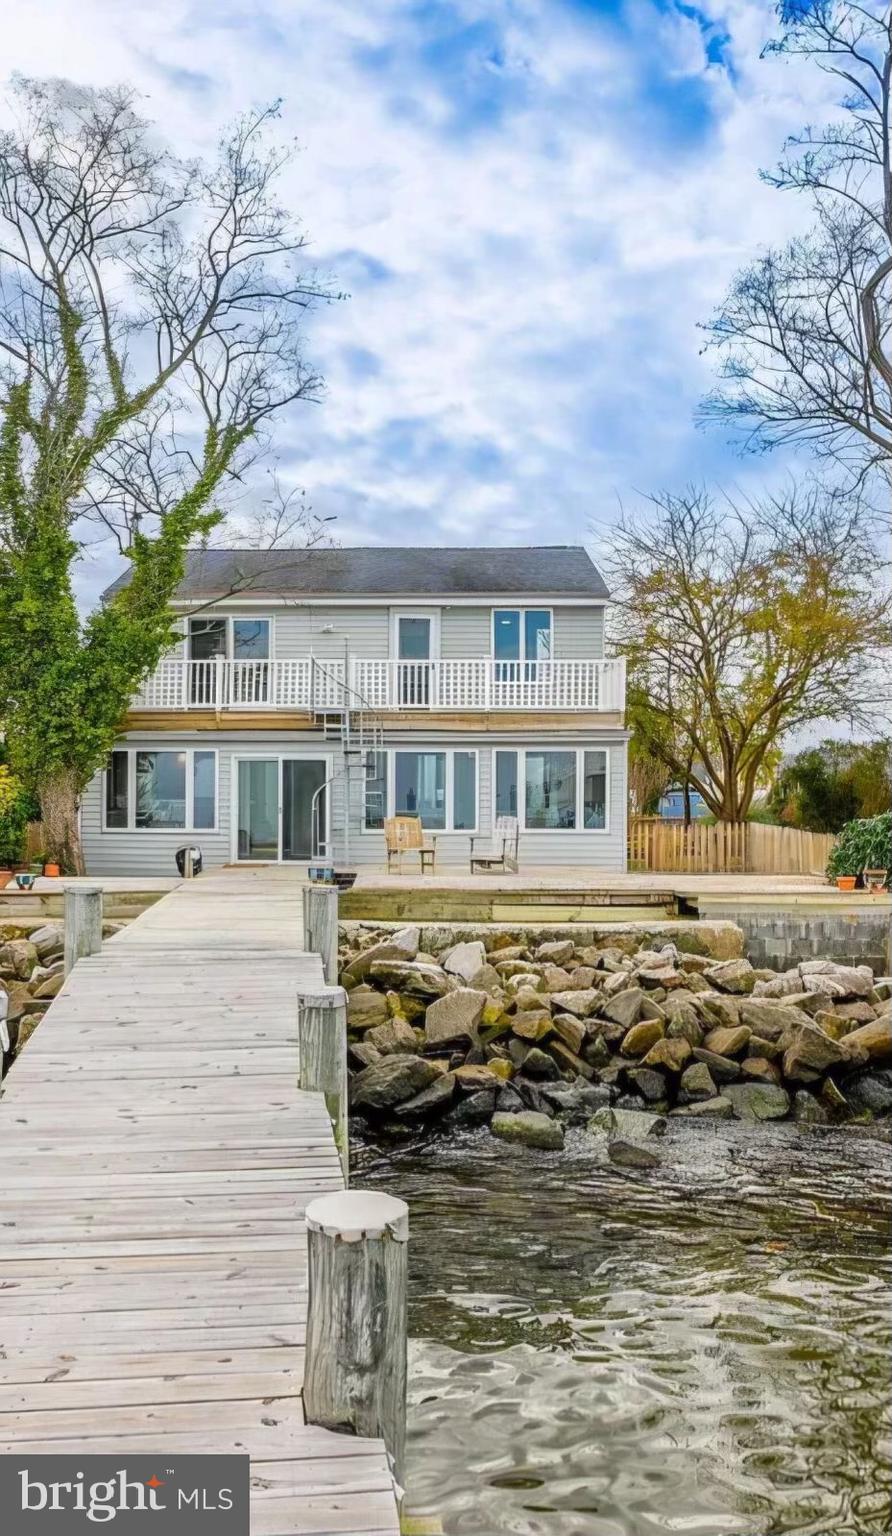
[[525, 1031], [31, 973]]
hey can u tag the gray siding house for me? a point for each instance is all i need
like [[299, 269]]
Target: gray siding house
[[312, 693]]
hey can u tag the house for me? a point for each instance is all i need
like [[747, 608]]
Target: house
[[314, 692], [671, 806]]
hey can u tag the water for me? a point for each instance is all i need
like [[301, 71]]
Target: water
[[701, 1349]]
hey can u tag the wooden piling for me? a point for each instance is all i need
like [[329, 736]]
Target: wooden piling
[[355, 1366], [322, 1037], [83, 922], [320, 903]]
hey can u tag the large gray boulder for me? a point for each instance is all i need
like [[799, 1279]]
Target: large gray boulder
[[48, 941], [411, 976], [770, 1019], [392, 1038], [391, 1081], [625, 1007], [732, 976], [18, 959], [365, 1008], [455, 1017], [757, 1101], [402, 945], [464, 960], [628, 1124], [811, 1053], [582, 1003], [556, 951], [431, 1100], [528, 1129]]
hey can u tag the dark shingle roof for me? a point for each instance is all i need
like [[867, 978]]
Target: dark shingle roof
[[554, 570]]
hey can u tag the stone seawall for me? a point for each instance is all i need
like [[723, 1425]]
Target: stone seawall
[[527, 1028], [779, 934]]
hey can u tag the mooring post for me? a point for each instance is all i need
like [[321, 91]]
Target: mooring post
[[322, 1037], [355, 1366], [321, 926], [83, 922]]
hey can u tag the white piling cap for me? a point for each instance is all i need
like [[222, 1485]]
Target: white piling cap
[[354, 1214]]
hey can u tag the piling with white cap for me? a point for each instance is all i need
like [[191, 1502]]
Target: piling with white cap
[[320, 905], [322, 1046], [355, 1367], [83, 922]]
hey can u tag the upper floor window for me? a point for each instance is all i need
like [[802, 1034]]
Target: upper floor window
[[521, 634], [234, 639]]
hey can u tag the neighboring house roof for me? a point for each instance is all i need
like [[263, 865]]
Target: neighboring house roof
[[547, 571]]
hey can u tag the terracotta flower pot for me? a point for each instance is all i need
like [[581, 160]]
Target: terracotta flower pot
[[52, 871], [846, 882], [5, 877]]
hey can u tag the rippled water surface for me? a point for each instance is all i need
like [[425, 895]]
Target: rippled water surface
[[701, 1349]]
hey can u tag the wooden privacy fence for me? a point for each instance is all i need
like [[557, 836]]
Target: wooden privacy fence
[[728, 847]]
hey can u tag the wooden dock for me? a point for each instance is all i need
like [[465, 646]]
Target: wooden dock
[[158, 1157]]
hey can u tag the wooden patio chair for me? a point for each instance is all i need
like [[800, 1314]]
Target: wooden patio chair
[[405, 834], [503, 851]]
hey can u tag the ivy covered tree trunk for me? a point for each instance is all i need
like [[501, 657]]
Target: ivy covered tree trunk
[[59, 796], [144, 302]]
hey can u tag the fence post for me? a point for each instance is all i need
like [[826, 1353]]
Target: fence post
[[321, 926], [322, 1045], [355, 1367], [83, 922]]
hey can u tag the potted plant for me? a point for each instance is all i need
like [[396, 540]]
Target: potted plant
[[862, 846], [51, 870]]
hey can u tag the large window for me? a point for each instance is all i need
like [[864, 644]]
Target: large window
[[439, 787], [550, 790], [161, 791], [506, 784], [376, 791], [238, 639], [553, 790], [464, 791], [594, 790], [420, 787], [521, 634]]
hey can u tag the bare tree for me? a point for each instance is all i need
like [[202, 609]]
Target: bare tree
[[805, 333], [149, 331], [740, 624]]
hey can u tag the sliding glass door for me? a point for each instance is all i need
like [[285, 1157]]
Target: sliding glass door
[[275, 807], [301, 777]]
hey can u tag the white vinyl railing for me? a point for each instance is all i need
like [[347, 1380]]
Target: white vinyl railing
[[480, 683], [476, 683], [219, 684]]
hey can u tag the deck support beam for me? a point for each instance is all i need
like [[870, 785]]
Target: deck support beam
[[83, 923], [355, 1369]]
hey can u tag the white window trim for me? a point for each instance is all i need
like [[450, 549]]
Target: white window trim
[[414, 613], [188, 830], [450, 830], [522, 609], [230, 619], [580, 789]]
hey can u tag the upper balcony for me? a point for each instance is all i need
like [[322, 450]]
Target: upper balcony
[[467, 684]]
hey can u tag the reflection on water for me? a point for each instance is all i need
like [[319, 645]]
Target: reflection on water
[[703, 1349]]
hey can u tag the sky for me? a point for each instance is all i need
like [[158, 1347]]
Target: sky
[[531, 204]]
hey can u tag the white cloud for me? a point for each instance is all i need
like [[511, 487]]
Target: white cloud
[[555, 201]]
